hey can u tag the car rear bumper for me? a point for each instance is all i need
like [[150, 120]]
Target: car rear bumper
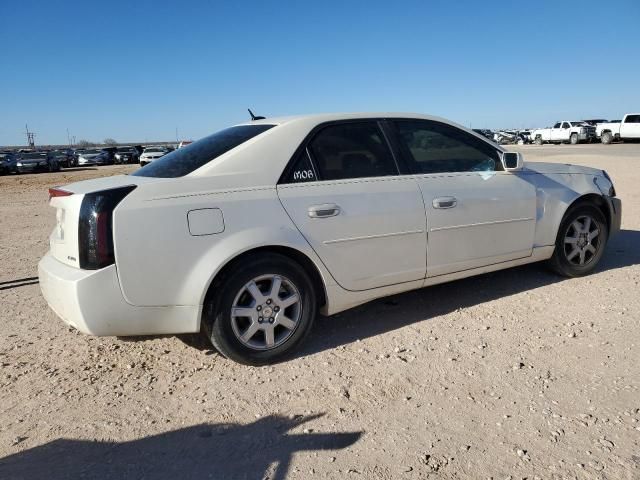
[[92, 302]]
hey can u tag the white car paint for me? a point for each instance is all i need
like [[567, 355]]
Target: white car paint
[[628, 129], [152, 153], [388, 234], [562, 132]]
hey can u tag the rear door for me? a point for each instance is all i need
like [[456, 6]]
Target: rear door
[[477, 214], [365, 221]]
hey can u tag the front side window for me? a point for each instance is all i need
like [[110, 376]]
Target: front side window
[[434, 147], [352, 150], [565, 125], [187, 159]]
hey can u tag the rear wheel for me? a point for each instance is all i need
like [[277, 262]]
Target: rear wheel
[[606, 138], [573, 139], [580, 243], [263, 310]]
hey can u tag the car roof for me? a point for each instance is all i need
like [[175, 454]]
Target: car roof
[[332, 117], [262, 159]]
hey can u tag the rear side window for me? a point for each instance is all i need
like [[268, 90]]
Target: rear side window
[[434, 147], [302, 170], [632, 119], [352, 150], [185, 160]]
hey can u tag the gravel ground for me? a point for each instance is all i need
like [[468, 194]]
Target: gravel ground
[[514, 374]]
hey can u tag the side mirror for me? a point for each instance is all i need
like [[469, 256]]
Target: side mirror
[[512, 161]]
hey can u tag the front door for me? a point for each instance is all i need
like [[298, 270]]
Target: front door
[[477, 214], [364, 220]]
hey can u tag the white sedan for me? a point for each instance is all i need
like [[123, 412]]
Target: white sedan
[[249, 233], [150, 154]]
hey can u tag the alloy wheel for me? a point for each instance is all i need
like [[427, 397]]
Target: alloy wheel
[[582, 240], [266, 311]]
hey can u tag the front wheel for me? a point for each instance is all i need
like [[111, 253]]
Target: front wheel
[[580, 243], [573, 139], [606, 138], [262, 310], [538, 140]]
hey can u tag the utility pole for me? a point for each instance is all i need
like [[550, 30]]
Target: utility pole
[[30, 137], [177, 138], [68, 138]]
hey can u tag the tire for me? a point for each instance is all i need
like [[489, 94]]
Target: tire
[[606, 138], [538, 140], [249, 288], [565, 260], [573, 139]]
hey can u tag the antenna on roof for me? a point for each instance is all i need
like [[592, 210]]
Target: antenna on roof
[[253, 117]]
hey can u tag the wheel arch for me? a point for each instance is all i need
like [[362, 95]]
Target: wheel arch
[[592, 199], [311, 268]]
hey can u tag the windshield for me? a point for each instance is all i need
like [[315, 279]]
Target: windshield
[[578, 124], [187, 159]]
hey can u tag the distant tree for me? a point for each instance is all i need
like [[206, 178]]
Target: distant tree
[[84, 143], [109, 141]]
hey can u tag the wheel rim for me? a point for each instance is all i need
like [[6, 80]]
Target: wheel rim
[[582, 240], [266, 312]]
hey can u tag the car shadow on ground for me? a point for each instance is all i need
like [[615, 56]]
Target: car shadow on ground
[[78, 169], [397, 311], [262, 449]]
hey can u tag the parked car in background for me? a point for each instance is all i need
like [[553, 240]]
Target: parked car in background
[[572, 132], [93, 156], [595, 122], [628, 129], [152, 153], [64, 158], [8, 161], [484, 132], [511, 137], [126, 155], [32, 162], [257, 228]]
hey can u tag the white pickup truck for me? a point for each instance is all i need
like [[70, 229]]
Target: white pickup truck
[[628, 129], [564, 132]]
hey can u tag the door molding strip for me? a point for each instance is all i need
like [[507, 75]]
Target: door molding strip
[[480, 224], [369, 237]]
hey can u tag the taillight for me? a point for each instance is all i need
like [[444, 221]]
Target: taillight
[[95, 227], [58, 192]]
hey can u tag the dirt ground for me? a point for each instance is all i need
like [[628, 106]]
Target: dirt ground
[[514, 374]]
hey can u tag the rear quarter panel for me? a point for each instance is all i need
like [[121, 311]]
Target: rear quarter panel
[[160, 263]]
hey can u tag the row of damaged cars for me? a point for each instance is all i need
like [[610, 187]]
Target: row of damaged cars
[[29, 162], [34, 161], [586, 131]]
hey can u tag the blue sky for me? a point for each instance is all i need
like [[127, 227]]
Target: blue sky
[[136, 71]]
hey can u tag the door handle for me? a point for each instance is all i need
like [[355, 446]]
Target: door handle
[[323, 211], [445, 202]]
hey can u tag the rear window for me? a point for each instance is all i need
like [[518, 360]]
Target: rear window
[[187, 159]]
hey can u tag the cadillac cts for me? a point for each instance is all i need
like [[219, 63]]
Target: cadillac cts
[[250, 232]]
